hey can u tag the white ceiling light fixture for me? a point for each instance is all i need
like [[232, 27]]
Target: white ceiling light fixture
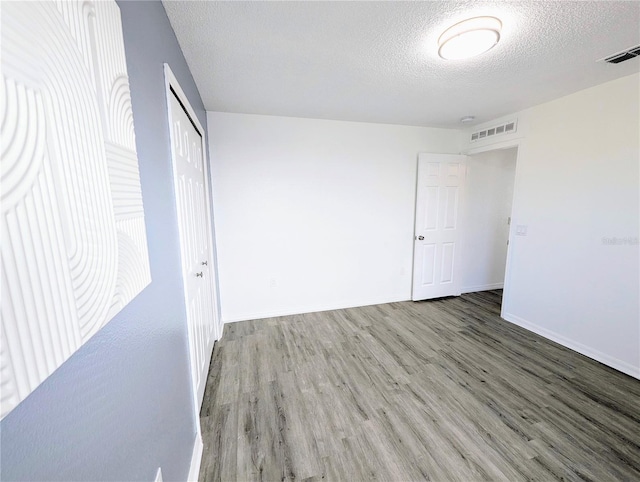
[[469, 38], [467, 119]]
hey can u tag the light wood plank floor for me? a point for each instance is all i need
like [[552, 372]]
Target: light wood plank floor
[[439, 390]]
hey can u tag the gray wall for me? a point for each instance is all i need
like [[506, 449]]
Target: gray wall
[[120, 407]]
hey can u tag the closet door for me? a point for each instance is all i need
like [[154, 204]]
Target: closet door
[[198, 268]]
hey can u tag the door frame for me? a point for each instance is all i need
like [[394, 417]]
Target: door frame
[[172, 83], [172, 87], [509, 265]]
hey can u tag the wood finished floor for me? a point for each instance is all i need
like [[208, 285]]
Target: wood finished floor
[[440, 390]]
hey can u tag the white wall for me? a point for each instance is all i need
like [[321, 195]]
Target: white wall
[[488, 200], [577, 186], [314, 214]]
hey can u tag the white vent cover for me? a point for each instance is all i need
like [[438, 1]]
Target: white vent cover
[[509, 127]]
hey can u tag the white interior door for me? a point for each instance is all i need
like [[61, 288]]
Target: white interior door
[[436, 253], [192, 202]]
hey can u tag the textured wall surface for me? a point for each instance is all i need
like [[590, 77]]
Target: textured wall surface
[[74, 246], [121, 406]]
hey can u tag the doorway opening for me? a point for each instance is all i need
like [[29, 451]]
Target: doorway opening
[[489, 189]]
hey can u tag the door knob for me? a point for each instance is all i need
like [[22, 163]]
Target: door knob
[[199, 275], [204, 263], [420, 238]]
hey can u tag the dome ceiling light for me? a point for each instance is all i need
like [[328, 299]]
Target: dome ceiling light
[[469, 38]]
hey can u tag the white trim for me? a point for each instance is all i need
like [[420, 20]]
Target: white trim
[[510, 264], [158, 475], [258, 315], [196, 458], [496, 146], [172, 83], [487, 287], [585, 350]]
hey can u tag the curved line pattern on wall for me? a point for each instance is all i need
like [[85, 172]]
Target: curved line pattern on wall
[[120, 113], [38, 333], [74, 247], [23, 140]]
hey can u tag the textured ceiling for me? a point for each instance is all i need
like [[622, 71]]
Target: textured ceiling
[[378, 61]]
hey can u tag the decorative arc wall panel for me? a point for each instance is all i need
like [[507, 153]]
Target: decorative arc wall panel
[[74, 247]]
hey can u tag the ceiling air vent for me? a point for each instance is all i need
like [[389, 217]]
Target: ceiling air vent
[[506, 128], [628, 54]]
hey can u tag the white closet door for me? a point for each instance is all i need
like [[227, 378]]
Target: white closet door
[[195, 240]]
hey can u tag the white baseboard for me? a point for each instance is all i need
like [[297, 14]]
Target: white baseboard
[[487, 287], [608, 360], [196, 458], [258, 315], [603, 358]]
